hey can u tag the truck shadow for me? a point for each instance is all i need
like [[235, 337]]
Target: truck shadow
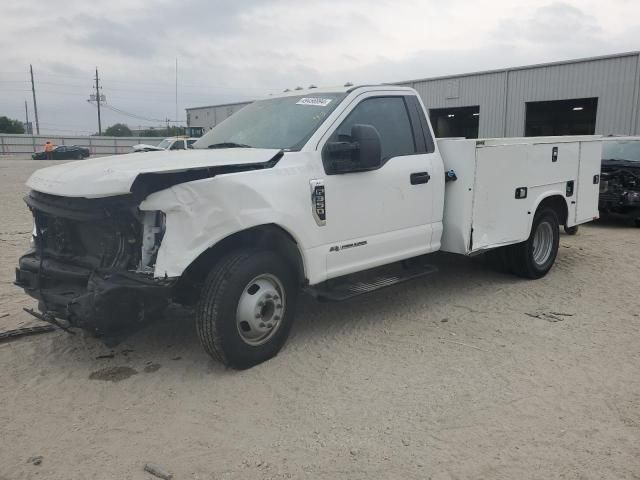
[[170, 344], [456, 274]]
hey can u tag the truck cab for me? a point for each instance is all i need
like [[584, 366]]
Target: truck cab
[[308, 191]]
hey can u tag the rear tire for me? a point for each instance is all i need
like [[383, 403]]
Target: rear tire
[[534, 257], [571, 230], [246, 308]]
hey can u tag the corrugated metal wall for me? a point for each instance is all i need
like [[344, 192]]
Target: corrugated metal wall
[[611, 81], [485, 90], [502, 95]]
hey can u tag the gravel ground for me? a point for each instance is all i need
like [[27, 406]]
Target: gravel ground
[[467, 373]]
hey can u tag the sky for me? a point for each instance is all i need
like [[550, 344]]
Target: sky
[[229, 51]]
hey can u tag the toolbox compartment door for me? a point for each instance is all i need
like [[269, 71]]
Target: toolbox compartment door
[[588, 182], [498, 217], [501, 215]]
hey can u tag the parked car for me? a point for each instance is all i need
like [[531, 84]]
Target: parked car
[[171, 143], [620, 178], [64, 152]]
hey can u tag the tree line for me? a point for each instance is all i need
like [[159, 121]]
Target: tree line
[[9, 125]]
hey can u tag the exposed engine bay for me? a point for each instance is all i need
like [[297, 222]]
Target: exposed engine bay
[[96, 259], [91, 261]]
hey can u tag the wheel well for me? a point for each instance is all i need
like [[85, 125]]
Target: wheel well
[[559, 205], [267, 237]]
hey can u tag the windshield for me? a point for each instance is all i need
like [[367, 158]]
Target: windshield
[[164, 144], [622, 150], [284, 123]]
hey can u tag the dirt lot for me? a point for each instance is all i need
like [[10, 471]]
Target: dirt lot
[[465, 374]]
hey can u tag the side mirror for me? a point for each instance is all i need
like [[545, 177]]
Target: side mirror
[[363, 152]]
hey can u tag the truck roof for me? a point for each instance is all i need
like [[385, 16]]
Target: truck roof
[[339, 89], [313, 91]]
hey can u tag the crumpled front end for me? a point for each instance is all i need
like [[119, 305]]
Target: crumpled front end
[[620, 189], [86, 262]]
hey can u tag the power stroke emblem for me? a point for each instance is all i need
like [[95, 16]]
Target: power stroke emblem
[[318, 204], [338, 248]]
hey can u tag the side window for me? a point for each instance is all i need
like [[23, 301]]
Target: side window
[[389, 116], [177, 145]]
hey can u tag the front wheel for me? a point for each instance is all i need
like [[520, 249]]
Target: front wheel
[[246, 308], [534, 257]]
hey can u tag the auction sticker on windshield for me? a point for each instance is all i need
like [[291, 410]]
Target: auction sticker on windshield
[[314, 101]]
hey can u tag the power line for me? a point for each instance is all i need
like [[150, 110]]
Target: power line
[[108, 106], [160, 84]]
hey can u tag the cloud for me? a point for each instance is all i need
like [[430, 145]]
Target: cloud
[[555, 24], [229, 51]]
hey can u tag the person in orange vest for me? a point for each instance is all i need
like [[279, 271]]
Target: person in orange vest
[[48, 149]]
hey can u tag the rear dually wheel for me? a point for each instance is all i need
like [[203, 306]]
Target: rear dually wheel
[[534, 257]]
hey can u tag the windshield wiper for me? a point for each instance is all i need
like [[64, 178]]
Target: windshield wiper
[[229, 145]]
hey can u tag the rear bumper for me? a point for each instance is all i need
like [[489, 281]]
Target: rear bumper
[[101, 301]]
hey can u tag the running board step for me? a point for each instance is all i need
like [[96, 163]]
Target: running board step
[[349, 286]]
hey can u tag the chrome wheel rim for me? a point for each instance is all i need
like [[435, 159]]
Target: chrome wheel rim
[[542, 243], [260, 309]]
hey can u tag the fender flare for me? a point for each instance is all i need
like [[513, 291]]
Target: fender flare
[[553, 197], [270, 235]]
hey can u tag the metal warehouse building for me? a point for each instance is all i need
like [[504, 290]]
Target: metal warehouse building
[[598, 95]]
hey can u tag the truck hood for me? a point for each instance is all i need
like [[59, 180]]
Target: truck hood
[[114, 175]]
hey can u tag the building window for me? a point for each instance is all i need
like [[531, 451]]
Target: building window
[[455, 122], [561, 117]]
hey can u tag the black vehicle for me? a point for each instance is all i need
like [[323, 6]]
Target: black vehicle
[[620, 179], [64, 152]]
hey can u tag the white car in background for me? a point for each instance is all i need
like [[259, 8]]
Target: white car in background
[[171, 143]]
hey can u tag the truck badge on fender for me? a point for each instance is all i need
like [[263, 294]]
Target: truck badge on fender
[[318, 202], [337, 248]]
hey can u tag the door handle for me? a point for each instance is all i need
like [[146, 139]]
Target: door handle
[[419, 178]]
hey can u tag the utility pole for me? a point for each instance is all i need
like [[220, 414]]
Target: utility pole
[[176, 117], [98, 102], [26, 114], [35, 105]]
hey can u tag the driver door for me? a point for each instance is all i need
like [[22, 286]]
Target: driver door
[[383, 215]]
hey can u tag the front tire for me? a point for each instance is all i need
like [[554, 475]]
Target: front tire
[[246, 308], [534, 257]]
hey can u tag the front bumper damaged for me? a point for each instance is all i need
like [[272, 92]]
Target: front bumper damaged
[[99, 300]]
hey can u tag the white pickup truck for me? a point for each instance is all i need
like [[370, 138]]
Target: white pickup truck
[[306, 191]]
